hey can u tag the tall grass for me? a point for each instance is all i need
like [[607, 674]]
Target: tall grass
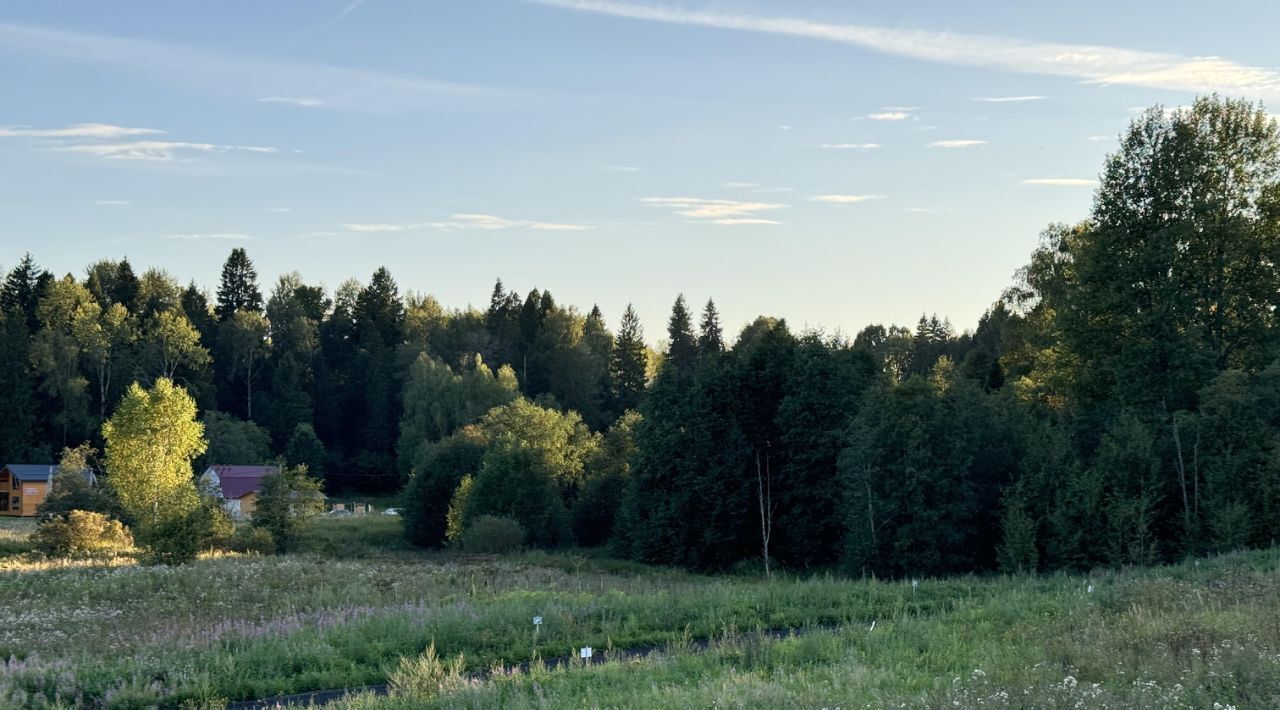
[[239, 627]]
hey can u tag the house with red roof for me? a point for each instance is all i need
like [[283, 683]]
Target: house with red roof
[[237, 486]]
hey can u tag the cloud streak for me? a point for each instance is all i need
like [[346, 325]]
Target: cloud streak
[[722, 212], [1061, 182], [845, 199], [956, 143], [76, 130], [224, 236], [458, 222], [291, 101], [850, 146], [1090, 63], [158, 151], [234, 75], [1010, 99]]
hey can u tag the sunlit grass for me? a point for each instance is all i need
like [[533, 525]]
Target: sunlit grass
[[241, 626]]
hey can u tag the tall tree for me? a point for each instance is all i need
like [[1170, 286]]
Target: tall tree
[[629, 363], [151, 441], [238, 289], [710, 334], [682, 345], [22, 290]]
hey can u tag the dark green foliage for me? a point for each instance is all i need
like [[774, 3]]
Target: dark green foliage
[[22, 290], [238, 290], [287, 500], [437, 470], [489, 534], [628, 364], [922, 474], [825, 386], [306, 449], [514, 483], [233, 441]]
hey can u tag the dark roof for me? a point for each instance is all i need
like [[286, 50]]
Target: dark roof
[[239, 481], [224, 470], [41, 472], [32, 472]]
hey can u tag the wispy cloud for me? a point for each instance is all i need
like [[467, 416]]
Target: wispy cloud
[[291, 101], [459, 221], [850, 146], [229, 236], [364, 228], [490, 222], [889, 116], [280, 210], [103, 131], [1061, 182], [845, 199], [1091, 63], [956, 143], [723, 212], [234, 74], [741, 185], [1009, 99], [159, 151], [112, 203], [622, 168]]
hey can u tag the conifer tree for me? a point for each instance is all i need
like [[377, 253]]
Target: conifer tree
[[710, 334], [238, 290], [628, 366]]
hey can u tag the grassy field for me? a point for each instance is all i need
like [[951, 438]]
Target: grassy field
[[356, 608]]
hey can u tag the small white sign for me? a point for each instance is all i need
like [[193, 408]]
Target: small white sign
[[915, 583], [584, 652], [1090, 590], [537, 621]]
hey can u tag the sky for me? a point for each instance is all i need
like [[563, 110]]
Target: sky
[[832, 163]]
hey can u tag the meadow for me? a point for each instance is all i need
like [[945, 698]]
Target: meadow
[[356, 607]]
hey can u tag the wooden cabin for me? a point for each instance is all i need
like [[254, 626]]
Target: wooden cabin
[[24, 486]]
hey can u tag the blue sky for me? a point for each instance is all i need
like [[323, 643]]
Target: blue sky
[[833, 163]]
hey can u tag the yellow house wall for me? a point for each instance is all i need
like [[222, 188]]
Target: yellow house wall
[[30, 496]]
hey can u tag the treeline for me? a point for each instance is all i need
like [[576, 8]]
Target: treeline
[[1118, 404]]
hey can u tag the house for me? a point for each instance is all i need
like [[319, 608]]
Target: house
[[24, 486], [237, 486]]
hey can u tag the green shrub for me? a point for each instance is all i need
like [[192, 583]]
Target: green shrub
[[426, 676], [251, 539], [491, 534], [82, 532]]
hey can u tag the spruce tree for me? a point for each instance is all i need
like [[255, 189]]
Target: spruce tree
[[628, 365], [238, 290], [710, 334], [682, 347], [23, 289]]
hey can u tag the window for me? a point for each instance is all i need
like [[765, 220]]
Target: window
[[4, 501], [16, 504]]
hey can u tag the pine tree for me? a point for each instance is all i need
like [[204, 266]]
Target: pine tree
[[682, 347], [710, 334], [628, 366], [22, 290], [379, 310], [238, 290]]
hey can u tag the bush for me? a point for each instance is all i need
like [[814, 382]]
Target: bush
[[287, 499], [82, 532], [491, 534], [252, 539], [427, 676]]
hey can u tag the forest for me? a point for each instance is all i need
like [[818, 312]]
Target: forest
[[1118, 404]]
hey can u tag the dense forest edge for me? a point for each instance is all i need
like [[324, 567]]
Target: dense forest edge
[[1118, 404]]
